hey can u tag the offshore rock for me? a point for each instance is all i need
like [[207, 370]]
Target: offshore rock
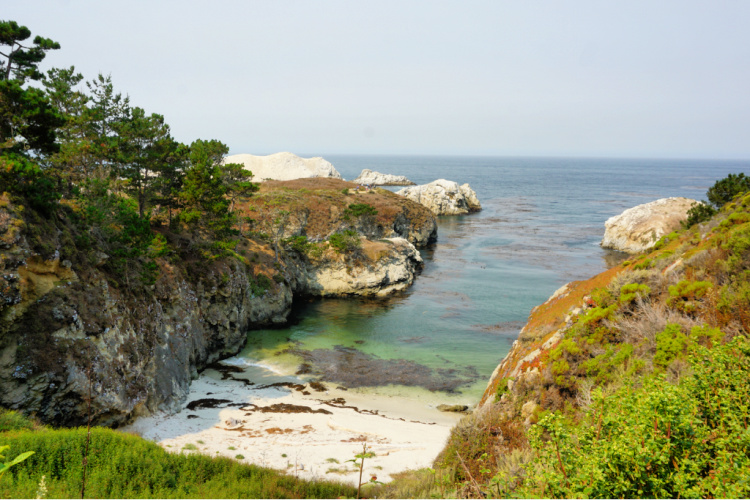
[[284, 166], [444, 197], [377, 269], [367, 176], [637, 229]]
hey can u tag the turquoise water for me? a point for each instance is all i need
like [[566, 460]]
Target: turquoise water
[[540, 226]]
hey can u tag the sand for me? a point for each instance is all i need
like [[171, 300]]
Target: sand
[[277, 422]]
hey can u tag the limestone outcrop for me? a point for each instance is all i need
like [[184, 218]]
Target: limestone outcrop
[[637, 229], [377, 269], [444, 197], [284, 166], [372, 178]]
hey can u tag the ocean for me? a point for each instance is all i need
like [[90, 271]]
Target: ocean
[[540, 227]]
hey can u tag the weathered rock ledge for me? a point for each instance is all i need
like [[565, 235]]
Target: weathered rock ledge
[[444, 197], [637, 229], [372, 178]]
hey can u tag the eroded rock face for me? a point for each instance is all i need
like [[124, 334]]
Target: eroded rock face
[[378, 269], [67, 329], [372, 178], [284, 166], [444, 197], [637, 229]]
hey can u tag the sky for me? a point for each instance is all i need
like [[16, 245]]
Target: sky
[[636, 78]]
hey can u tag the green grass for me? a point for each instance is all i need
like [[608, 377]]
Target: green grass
[[126, 466]]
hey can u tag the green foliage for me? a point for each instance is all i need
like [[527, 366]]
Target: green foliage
[[11, 420], [630, 292], [724, 190], [22, 60], [126, 466], [260, 285], [655, 440], [4, 466], [23, 177], [345, 241], [115, 225], [684, 295], [357, 210], [502, 388], [297, 243], [644, 264], [601, 367], [206, 208], [670, 343]]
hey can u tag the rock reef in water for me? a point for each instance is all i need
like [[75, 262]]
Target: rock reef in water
[[372, 178], [444, 197], [637, 229], [284, 166]]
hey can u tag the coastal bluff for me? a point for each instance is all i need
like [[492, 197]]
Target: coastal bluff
[[637, 229], [444, 197], [69, 325], [284, 166]]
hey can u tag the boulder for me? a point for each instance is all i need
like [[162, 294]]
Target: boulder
[[367, 176], [444, 197], [284, 166], [637, 229]]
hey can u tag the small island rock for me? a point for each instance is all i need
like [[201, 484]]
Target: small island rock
[[284, 166], [370, 177], [639, 228], [444, 197]]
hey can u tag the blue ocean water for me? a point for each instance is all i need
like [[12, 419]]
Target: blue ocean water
[[540, 227]]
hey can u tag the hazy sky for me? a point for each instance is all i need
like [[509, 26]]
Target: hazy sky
[[521, 77]]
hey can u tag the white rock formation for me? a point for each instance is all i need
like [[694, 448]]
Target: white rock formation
[[389, 265], [444, 197], [639, 228], [284, 166], [367, 176]]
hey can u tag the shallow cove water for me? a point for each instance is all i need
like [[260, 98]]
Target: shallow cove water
[[540, 226]]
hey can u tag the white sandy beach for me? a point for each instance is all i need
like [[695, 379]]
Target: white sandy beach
[[294, 428]]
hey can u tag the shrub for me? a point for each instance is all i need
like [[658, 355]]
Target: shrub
[[670, 343], [724, 190], [683, 295], [698, 212], [357, 210], [655, 439], [630, 292], [345, 241]]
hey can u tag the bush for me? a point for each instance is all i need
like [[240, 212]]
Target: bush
[[655, 440], [345, 241], [698, 212], [724, 190], [359, 209]]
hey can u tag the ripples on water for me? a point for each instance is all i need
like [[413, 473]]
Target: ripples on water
[[540, 226]]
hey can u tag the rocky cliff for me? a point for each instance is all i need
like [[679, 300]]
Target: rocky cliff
[[444, 197], [284, 166], [639, 228], [71, 332]]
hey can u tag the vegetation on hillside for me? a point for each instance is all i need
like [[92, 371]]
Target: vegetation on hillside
[[632, 384], [126, 466], [77, 151]]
